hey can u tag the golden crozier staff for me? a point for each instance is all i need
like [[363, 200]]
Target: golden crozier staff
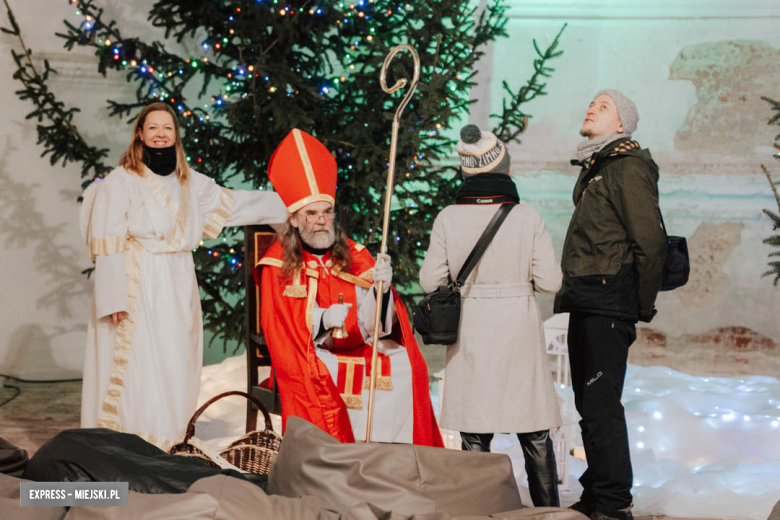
[[388, 196]]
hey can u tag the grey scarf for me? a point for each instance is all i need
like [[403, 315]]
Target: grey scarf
[[587, 148]]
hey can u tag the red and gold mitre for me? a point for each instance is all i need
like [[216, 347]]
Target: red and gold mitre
[[302, 171]]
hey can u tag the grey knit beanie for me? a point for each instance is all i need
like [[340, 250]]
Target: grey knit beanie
[[481, 152], [626, 109]]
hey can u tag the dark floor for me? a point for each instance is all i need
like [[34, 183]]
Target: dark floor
[[39, 412]]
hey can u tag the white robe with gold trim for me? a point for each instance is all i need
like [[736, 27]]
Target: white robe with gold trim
[[143, 376]]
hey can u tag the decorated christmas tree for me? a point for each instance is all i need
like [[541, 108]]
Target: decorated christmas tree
[[774, 240], [264, 67]]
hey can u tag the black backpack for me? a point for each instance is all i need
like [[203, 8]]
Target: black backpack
[[677, 265]]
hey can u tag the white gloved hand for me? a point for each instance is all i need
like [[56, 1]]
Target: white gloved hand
[[383, 272], [335, 315]]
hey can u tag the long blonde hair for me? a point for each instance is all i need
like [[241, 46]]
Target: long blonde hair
[[133, 159]]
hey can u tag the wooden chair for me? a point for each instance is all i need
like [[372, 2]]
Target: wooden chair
[[258, 239]]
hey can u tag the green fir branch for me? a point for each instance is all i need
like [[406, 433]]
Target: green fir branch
[[776, 118], [773, 241], [773, 185], [513, 121], [57, 132]]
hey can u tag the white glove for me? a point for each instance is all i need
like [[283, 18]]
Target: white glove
[[383, 272], [335, 315]]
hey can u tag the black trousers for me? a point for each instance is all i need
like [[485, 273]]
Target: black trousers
[[598, 351], [539, 462]]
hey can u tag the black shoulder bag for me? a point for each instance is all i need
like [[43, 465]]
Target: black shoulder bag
[[437, 315], [677, 265]]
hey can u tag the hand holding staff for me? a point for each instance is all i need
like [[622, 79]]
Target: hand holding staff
[[388, 196]]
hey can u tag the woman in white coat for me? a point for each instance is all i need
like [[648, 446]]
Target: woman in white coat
[[145, 337], [497, 374]]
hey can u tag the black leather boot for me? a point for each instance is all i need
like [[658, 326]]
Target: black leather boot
[[622, 514], [540, 467], [586, 508], [475, 441]]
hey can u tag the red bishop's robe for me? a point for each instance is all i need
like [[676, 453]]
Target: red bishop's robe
[[306, 387]]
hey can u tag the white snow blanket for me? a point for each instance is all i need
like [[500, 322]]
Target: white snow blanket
[[701, 447]]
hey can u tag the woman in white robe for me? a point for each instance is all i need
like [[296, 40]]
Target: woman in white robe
[[145, 338]]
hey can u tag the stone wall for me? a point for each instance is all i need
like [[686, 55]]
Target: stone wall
[[697, 82]]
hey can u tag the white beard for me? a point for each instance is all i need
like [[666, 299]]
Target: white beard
[[318, 240]]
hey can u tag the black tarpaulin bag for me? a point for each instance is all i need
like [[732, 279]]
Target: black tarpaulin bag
[[101, 455], [437, 315], [12, 459]]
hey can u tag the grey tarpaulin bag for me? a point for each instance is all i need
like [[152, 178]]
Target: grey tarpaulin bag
[[398, 477]]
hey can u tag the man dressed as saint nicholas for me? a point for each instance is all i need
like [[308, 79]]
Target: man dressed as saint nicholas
[[313, 280]]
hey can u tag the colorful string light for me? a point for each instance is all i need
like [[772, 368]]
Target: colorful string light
[[364, 10], [361, 18]]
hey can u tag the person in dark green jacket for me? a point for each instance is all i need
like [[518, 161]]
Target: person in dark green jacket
[[612, 263]]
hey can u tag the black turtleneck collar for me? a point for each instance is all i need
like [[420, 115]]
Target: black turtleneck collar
[[314, 250], [161, 161], [488, 188]]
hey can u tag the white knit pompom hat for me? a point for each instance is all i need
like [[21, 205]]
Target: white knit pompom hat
[[481, 152]]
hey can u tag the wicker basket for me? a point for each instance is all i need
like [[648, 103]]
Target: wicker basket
[[254, 452]]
